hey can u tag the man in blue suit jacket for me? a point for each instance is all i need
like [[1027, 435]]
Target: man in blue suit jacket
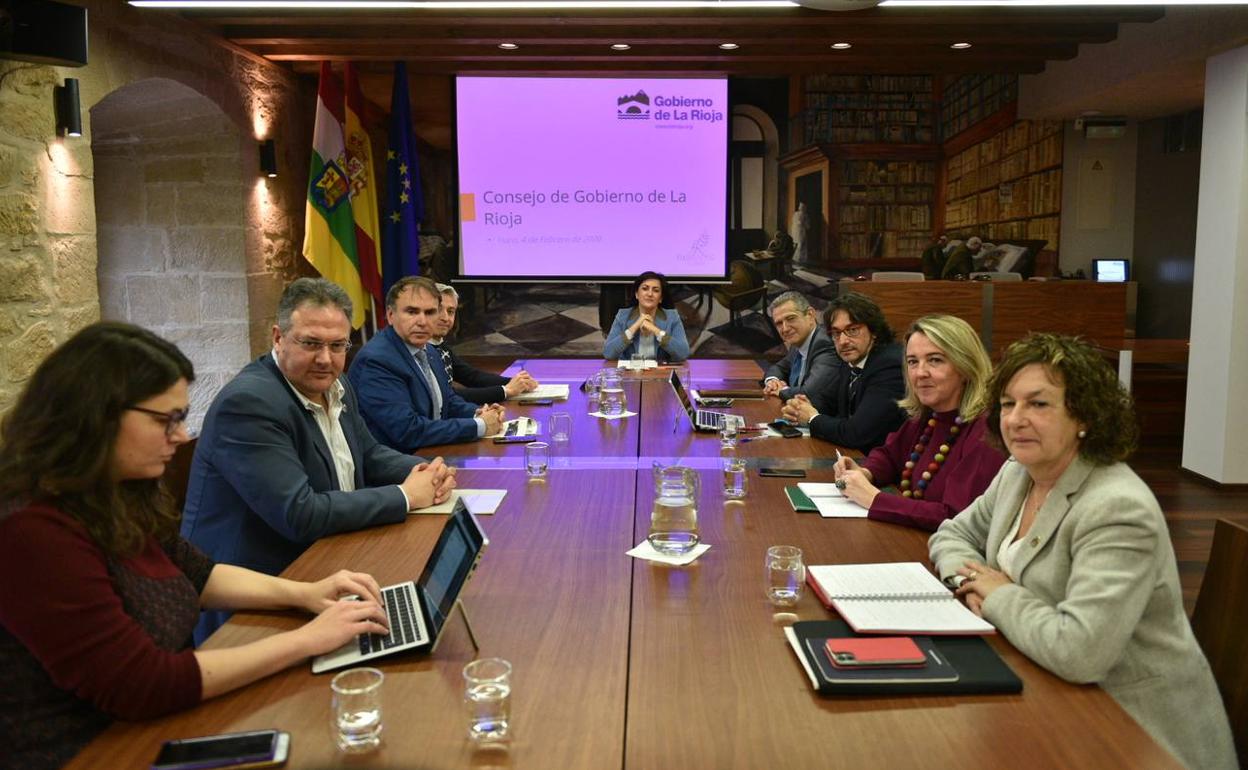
[[284, 457], [404, 395]]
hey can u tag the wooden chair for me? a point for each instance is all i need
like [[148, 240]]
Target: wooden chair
[[1220, 622]]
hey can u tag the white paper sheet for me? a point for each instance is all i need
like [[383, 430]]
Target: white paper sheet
[[481, 502], [644, 550]]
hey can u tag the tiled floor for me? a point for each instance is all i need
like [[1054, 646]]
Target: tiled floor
[[562, 319]]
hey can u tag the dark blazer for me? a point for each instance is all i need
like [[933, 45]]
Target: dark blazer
[[263, 487], [863, 418], [820, 371], [473, 384], [395, 399]]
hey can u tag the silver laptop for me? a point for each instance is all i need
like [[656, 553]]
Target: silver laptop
[[418, 611], [700, 419]]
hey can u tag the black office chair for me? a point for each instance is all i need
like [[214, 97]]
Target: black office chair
[[1220, 623]]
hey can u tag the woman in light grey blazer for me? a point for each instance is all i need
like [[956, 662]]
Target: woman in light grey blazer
[[1067, 552]]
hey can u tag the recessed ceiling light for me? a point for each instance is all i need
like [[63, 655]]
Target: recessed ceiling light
[[729, 46], [508, 46], [842, 46], [960, 46], [620, 46]]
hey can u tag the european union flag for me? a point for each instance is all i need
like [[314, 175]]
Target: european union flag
[[404, 205]]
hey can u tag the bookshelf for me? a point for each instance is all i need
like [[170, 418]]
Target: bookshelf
[[1009, 185], [869, 109], [968, 99], [884, 207]]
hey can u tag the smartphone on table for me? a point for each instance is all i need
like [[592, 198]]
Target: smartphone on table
[[784, 473], [865, 652], [260, 748], [784, 428]]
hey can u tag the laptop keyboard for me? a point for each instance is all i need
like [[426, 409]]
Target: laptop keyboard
[[402, 616], [711, 420]]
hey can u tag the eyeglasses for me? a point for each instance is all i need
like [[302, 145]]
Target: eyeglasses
[[337, 347], [172, 420], [852, 331]]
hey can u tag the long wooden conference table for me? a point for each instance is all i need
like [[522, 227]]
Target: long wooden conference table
[[622, 663]]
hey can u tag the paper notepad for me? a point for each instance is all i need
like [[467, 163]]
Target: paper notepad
[[897, 598], [799, 500], [520, 426], [832, 502], [481, 502], [551, 391], [649, 363]]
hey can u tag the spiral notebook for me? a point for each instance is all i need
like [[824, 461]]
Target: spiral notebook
[[896, 598]]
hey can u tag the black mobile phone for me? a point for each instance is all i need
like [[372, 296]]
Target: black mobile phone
[[262, 748], [536, 401], [785, 473], [514, 439], [784, 429], [716, 401]]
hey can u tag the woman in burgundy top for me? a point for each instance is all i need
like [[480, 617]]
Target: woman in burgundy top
[[98, 594], [938, 458]]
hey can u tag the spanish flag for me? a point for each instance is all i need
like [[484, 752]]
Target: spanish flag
[[329, 231], [363, 192]]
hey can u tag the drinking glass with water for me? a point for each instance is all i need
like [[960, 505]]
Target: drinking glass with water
[[487, 694], [785, 575], [729, 430], [356, 709], [674, 519], [536, 459], [593, 386], [734, 477], [560, 425]]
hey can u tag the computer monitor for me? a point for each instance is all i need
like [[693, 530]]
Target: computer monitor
[[1111, 270]]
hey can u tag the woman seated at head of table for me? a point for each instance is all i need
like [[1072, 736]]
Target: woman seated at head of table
[[1068, 555], [938, 458], [98, 593], [647, 327]]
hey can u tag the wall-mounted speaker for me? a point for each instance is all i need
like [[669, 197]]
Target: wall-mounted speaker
[[43, 31]]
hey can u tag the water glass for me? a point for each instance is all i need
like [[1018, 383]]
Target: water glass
[[638, 362], [356, 709], [536, 459], [560, 426], [593, 384], [729, 429], [786, 575], [734, 478], [487, 693]]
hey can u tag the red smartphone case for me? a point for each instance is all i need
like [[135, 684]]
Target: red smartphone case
[[892, 651]]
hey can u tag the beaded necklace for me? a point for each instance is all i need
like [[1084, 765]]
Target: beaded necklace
[[942, 454]]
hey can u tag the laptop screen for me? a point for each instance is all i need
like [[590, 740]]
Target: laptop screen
[[447, 570], [681, 393]]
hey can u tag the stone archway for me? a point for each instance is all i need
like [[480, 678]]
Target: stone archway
[[171, 225]]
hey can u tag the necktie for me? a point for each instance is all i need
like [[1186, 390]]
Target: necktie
[[854, 374], [795, 374], [435, 392], [446, 363]]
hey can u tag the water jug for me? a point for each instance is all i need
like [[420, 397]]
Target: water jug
[[611, 395], [674, 520]]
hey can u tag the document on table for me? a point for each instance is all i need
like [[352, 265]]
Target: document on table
[[832, 502], [649, 363], [893, 598], [481, 502], [557, 391]]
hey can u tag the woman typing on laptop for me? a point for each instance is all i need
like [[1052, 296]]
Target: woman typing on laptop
[[99, 593]]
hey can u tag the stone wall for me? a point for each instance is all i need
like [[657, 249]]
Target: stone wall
[[49, 237]]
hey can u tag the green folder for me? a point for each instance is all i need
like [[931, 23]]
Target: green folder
[[800, 502]]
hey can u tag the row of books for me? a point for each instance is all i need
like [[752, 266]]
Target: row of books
[[898, 217], [870, 101], [906, 193], [819, 130], [881, 245], [877, 83], [887, 172], [876, 118]]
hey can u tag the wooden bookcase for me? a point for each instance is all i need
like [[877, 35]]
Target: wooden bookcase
[[869, 109], [1008, 186], [968, 99], [884, 206]]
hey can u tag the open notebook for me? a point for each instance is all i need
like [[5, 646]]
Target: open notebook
[[896, 598]]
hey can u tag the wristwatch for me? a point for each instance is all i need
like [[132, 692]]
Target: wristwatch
[[955, 581]]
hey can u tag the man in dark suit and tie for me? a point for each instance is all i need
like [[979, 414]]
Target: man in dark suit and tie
[[284, 457], [405, 397], [811, 366], [863, 409], [474, 385]]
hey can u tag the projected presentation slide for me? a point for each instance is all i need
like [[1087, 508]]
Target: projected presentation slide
[[592, 177]]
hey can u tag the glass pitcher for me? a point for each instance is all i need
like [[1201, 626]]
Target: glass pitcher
[[611, 394], [674, 520]]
